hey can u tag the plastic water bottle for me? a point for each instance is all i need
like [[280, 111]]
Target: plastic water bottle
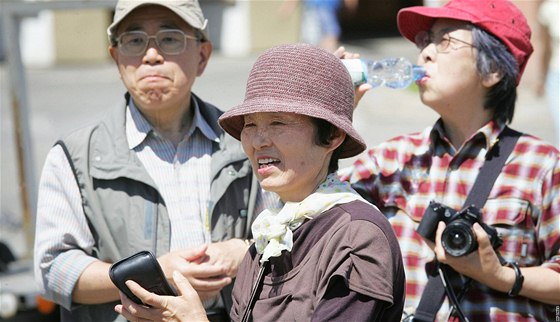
[[391, 72]]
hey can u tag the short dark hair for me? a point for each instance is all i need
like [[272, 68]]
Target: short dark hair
[[493, 56], [324, 133]]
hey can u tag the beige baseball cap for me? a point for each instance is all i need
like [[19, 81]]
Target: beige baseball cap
[[188, 10]]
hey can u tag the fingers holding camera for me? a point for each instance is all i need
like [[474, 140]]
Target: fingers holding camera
[[191, 309], [482, 264], [130, 310], [490, 270], [486, 255], [437, 247], [185, 307]]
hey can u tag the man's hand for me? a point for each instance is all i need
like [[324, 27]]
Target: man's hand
[[482, 265], [206, 277], [541, 283], [228, 254]]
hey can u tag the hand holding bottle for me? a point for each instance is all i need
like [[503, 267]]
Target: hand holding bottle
[[360, 89]]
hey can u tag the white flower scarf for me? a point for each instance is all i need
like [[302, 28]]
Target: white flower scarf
[[272, 229]]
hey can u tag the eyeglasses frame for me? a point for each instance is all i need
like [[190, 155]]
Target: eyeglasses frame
[[154, 37], [444, 37]]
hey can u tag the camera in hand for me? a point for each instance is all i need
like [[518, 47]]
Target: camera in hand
[[458, 238], [144, 269]]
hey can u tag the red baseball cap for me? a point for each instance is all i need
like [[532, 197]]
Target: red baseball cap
[[501, 18]]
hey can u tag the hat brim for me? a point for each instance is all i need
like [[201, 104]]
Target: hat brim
[[413, 20], [232, 121]]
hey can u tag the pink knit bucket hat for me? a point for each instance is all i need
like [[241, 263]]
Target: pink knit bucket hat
[[301, 79]]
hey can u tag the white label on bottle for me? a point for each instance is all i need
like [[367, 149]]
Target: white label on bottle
[[356, 70]]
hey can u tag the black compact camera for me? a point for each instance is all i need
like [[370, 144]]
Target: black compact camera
[[458, 238], [144, 269]]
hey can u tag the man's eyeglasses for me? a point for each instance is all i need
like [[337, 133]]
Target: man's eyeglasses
[[444, 43], [170, 42]]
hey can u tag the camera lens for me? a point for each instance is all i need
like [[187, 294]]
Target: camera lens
[[458, 238]]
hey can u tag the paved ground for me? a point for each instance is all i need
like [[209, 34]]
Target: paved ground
[[65, 97]]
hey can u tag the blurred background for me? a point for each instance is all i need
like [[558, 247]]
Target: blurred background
[[56, 75]]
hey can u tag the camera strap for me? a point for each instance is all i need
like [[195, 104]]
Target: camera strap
[[435, 290], [495, 159], [254, 290]]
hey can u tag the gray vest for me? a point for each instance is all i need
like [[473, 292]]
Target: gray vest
[[124, 209]]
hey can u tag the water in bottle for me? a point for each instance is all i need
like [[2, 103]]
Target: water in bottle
[[391, 72]]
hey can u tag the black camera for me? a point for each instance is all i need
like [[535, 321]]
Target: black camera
[[458, 238]]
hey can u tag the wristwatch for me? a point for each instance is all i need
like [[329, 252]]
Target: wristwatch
[[519, 278]]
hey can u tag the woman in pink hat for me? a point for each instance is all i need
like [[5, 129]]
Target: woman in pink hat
[[324, 253], [474, 53]]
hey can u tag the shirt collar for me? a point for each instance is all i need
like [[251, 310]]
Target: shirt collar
[[138, 128], [491, 131], [488, 134], [202, 124]]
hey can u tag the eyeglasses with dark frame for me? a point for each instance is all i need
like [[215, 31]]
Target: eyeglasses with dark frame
[[443, 43], [169, 41]]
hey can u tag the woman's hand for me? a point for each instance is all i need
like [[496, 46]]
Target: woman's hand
[[185, 307]]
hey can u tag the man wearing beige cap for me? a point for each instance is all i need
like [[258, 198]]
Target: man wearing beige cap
[[157, 173]]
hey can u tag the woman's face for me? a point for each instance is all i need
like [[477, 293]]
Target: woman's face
[[452, 80], [282, 149]]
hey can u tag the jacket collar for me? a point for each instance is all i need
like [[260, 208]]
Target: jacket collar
[[112, 157]]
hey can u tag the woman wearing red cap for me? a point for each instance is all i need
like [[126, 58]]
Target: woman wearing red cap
[[324, 253], [474, 53]]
